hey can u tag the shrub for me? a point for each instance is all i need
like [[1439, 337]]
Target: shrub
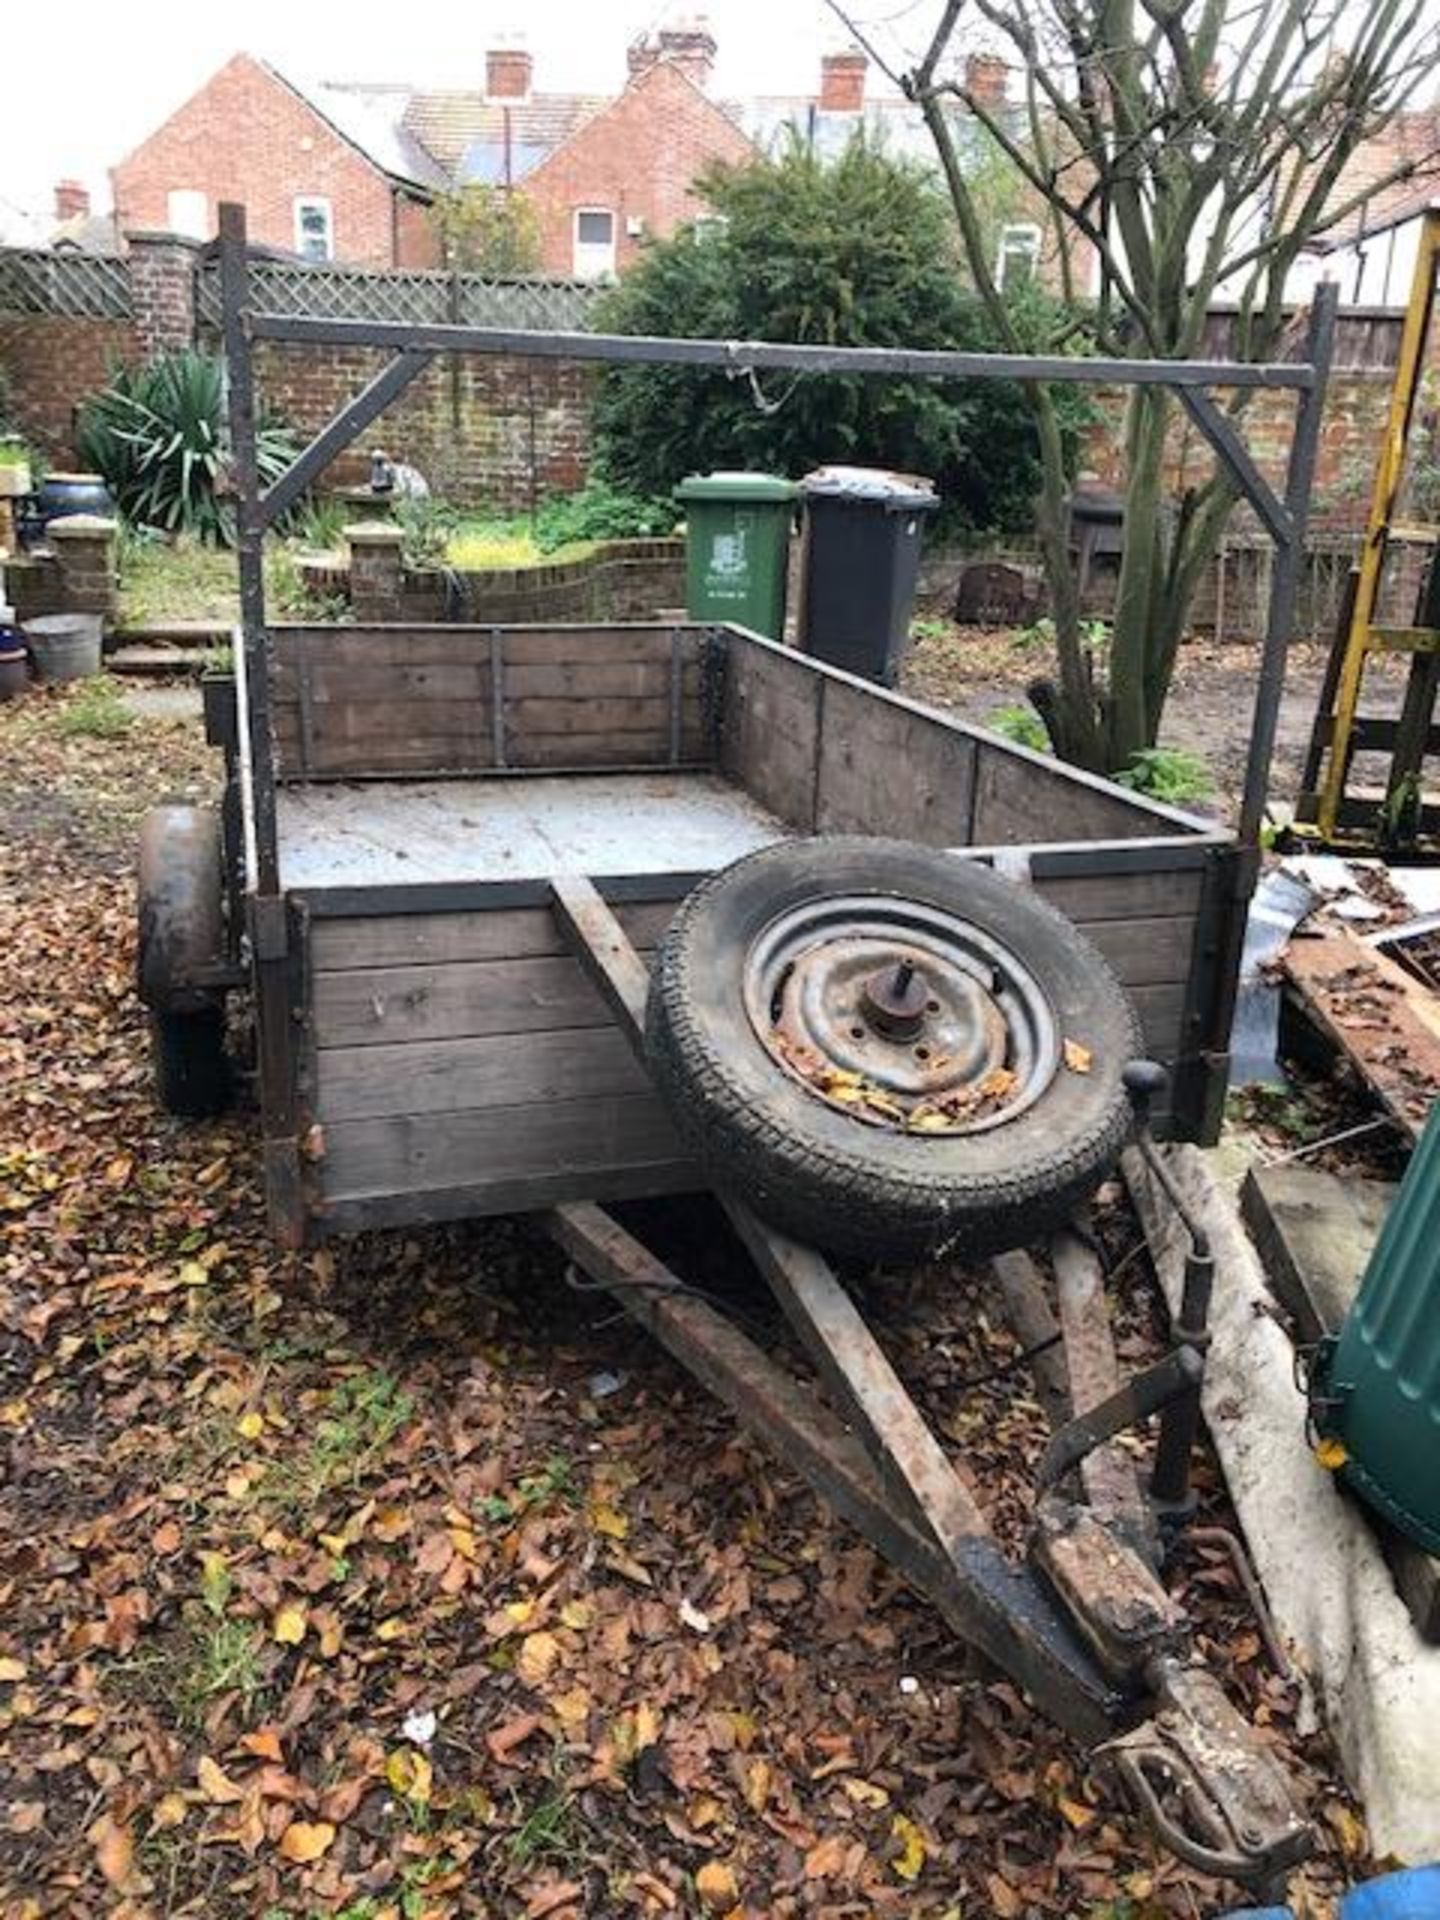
[[158, 434], [96, 711], [1020, 724], [602, 512], [1169, 774], [856, 251]]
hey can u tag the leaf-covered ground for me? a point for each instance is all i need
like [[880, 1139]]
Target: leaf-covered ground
[[404, 1579]]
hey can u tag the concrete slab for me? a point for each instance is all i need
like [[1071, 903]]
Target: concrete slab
[[164, 703]]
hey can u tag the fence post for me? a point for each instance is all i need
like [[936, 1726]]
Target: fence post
[[162, 290]]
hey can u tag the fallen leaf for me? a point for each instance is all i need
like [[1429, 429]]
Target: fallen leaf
[[504, 1740], [906, 1864], [757, 1785], [216, 1785], [1006, 1902], [1075, 1813], [12, 1670], [25, 1816], [1077, 1058], [264, 1743], [304, 1841], [827, 1856], [551, 1899], [288, 1626], [169, 1811], [251, 1425], [864, 1792], [578, 1615], [1332, 1454], [715, 1884], [537, 1657], [114, 1850], [410, 1775], [605, 1519]]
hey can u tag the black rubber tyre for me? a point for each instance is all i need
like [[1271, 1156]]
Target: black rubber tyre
[[192, 1070], [820, 1174]]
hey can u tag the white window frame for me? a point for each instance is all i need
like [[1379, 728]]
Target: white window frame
[[590, 259], [1019, 240], [314, 203], [191, 217]]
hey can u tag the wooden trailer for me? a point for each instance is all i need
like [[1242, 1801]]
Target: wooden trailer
[[432, 1048]]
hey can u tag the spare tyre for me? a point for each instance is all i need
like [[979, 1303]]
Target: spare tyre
[[890, 1051]]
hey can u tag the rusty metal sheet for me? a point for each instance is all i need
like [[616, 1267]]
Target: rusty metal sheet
[[1110, 1592]]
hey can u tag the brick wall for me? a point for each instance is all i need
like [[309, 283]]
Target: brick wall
[[52, 363], [664, 116], [246, 124], [621, 580]]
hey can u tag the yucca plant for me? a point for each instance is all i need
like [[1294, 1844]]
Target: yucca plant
[[158, 434]]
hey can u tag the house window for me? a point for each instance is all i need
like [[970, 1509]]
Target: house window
[[594, 243], [187, 211], [314, 237], [1019, 255]]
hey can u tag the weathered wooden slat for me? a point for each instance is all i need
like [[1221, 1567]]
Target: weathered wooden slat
[[580, 750], [340, 757], [336, 680], [1162, 1014], [1020, 797], [453, 1076], [394, 719], [1087, 898], [585, 714], [418, 939], [376, 1006], [1146, 952], [440, 644], [884, 768], [412, 1152], [770, 728]]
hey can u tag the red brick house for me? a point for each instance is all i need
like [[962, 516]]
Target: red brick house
[[327, 172], [348, 172]]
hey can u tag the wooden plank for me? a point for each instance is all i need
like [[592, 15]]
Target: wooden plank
[[508, 933], [351, 684], [452, 1076], [443, 643], [520, 1193], [376, 1006], [770, 730], [603, 679], [383, 720], [885, 768], [411, 1152], [1088, 898], [613, 750], [535, 647], [1146, 952], [353, 759], [1375, 1014], [1162, 1014], [616, 718], [1022, 797]]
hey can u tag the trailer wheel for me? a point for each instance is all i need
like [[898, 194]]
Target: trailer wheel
[[192, 1069], [890, 1051], [179, 949]]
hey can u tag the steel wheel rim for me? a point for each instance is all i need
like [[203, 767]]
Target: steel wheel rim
[[827, 994]]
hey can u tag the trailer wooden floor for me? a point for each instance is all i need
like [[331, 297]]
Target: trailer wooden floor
[[391, 833]]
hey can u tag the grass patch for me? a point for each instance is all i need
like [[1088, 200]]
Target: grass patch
[[1022, 725], [165, 582], [482, 546], [362, 1416], [95, 711], [548, 1831]]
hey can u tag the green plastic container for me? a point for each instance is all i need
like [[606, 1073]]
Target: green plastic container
[[737, 548], [1376, 1387]]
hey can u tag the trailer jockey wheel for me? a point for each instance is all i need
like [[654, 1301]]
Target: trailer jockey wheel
[[890, 1051]]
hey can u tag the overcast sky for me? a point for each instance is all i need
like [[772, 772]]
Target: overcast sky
[[84, 84]]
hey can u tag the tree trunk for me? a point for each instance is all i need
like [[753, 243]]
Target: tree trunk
[[1130, 719]]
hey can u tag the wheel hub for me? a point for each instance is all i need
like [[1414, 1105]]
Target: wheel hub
[[900, 1014]]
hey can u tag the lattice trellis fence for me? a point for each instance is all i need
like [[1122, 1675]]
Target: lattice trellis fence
[[79, 286], [352, 293]]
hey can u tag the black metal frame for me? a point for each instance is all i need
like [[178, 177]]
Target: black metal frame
[[1086, 1629]]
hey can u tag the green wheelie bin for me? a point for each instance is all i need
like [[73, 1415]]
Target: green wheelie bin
[[737, 548]]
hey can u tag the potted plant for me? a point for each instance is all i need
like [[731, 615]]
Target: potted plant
[[14, 466]]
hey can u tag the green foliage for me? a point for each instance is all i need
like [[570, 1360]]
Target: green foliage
[[858, 251], [1168, 774], [321, 527], [427, 525], [487, 229], [1022, 725], [158, 435], [602, 512], [96, 711]]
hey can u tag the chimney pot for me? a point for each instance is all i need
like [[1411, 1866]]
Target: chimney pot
[[72, 200], [987, 79], [507, 73], [687, 44], [842, 81]]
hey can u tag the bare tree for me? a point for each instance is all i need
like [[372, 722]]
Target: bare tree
[[1175, 149]]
